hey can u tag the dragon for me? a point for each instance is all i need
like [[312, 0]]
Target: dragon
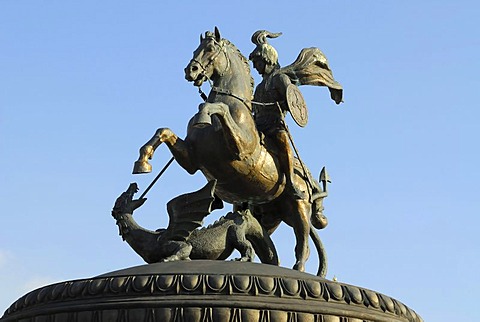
[[185, 238]]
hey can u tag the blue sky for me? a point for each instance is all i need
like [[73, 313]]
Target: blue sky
[[84, 84]]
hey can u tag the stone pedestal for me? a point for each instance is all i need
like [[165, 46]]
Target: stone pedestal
[[206, 291]]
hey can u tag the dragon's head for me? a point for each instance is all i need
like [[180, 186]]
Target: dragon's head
[[125, 203]]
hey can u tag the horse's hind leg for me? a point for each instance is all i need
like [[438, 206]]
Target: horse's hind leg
[[301, 228]]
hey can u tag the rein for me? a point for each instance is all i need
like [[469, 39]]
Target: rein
[[213, 58], [217, 89], [220, 90], [227, 92]]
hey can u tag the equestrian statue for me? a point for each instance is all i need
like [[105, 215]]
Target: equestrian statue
[[239, 139]]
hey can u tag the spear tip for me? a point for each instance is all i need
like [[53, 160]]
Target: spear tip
[[324, 177]]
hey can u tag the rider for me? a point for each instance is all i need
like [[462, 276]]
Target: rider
[[269, 103]]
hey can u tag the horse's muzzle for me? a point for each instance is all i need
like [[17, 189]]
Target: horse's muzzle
[[194, 73]]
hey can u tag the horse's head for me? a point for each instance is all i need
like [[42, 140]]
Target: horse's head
[[209, 59]]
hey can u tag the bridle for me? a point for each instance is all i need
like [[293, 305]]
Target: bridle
[[216, 89], [212, 59], [220, 90]]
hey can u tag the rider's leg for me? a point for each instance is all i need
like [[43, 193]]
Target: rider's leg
[[285, 156]]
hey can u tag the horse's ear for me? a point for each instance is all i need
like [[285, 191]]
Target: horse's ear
[[217, 34], [201, 38]]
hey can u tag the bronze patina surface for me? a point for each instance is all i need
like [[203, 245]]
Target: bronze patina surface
[[240, 140], [183, 240]]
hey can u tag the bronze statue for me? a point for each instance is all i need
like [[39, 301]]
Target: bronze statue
[[247, 156], [183, 239], [277, 94], [223, 142]]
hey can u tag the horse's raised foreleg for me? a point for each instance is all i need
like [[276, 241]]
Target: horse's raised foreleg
[[178, 147], [239, 130]]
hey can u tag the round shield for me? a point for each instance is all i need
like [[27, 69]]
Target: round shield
[[296, 105]]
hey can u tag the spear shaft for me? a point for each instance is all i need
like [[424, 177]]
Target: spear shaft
[[157, 177]]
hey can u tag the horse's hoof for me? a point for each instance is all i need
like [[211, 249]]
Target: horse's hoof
[[243, 259], [299, 267], [141, 167], [172, 258], [201, 120]]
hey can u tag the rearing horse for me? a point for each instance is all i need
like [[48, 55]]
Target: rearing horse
[[224, 144]]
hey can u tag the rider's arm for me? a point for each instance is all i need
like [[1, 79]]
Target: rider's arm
[[281, 83]]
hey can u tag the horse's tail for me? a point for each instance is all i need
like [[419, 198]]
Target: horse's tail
[[322, 255]]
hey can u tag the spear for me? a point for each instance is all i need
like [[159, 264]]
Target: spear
[[157, 177], [325, 179]]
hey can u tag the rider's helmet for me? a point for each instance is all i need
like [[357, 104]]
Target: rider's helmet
[[264, 50]]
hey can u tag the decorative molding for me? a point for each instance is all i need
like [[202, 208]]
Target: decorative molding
[[207, 297]]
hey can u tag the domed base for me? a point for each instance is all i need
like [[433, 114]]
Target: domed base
[[206, 291]]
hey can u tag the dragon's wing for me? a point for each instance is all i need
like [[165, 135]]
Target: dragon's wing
[[187, 212], [311, 68]]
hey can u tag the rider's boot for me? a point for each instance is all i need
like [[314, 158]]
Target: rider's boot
[[286, 161], [297, 193]]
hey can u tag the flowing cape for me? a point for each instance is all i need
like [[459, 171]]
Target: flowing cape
[[311, 68]]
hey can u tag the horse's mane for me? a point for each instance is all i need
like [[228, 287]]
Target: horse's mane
[[244, 60]]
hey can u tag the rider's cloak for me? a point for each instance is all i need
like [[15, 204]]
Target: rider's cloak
[[311, 68]]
